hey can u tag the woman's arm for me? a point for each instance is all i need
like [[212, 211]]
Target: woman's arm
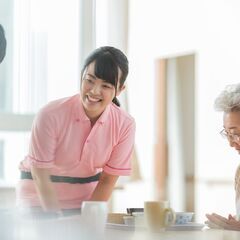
[[45, 189], [104, 187]]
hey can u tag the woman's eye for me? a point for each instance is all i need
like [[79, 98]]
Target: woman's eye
[[107, 86], [89, 80]]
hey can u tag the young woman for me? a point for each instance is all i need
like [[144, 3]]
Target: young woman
[[81, 144], [229, 103]]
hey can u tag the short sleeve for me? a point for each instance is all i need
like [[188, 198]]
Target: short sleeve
[[120, 159], [43, 141]]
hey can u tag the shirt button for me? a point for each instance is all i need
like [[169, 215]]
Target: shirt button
[[88, 141]]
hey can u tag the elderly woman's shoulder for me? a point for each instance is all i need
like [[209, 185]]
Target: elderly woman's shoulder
[[237, 174], [237, 182]]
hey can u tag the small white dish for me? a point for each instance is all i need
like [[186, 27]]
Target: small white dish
[[120, 226]]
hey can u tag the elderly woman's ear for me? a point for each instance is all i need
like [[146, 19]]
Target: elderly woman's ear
[[3, 44]]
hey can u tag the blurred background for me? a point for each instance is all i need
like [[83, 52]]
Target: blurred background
[[181, 54]]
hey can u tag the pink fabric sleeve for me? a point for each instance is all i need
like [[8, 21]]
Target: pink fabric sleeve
[[43, 141], [120, 160]]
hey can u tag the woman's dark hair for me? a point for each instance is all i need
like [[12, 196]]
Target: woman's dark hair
[[3, 43], [108, 60]]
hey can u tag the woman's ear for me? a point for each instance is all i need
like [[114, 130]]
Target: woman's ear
[[120, 90]]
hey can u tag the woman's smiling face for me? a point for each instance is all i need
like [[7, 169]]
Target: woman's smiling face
[[231, 122], [96, 93]]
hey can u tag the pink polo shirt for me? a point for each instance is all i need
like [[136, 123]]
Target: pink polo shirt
[[63, 140]]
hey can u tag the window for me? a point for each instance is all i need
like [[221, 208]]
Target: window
[[42, 64]]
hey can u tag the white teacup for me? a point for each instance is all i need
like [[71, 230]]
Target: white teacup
[[183, 217], [139, 219], [94, 214], [129, 220], [158, 215]]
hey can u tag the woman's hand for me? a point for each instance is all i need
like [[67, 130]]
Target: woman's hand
[[45, 190], [217, 221]]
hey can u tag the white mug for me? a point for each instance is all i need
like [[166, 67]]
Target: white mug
[[94, 216]]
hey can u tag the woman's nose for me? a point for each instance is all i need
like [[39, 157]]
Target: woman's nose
[[96, 89]]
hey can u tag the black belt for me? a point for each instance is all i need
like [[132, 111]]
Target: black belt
[[64, 179]]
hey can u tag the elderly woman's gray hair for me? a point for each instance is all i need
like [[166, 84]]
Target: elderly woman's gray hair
[[229, 99]]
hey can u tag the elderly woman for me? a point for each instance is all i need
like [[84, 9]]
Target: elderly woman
[[228, 102]]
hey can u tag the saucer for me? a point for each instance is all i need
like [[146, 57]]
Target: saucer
[[191, 226]]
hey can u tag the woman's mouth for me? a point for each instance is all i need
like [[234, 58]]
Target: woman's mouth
[[93, 99]]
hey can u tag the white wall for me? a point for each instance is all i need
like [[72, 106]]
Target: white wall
[[160, 28]]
